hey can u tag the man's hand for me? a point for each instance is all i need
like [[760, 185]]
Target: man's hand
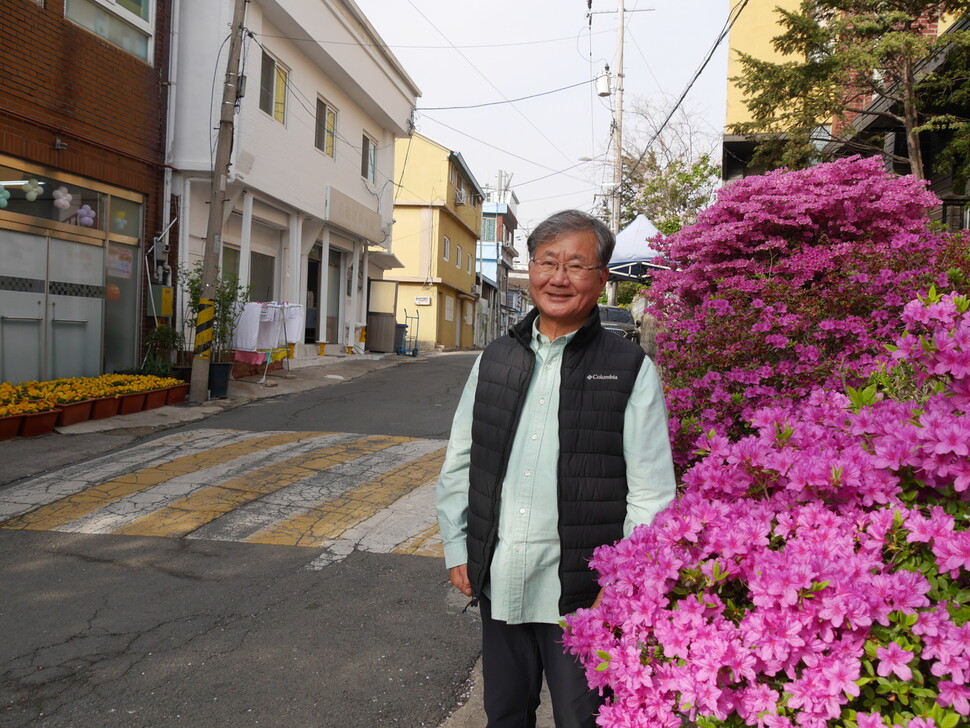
[[459, 578]]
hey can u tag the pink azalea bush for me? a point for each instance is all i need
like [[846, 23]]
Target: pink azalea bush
[[815, 571], [791, 281]]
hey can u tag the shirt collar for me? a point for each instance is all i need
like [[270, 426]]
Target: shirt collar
[[539, 339]]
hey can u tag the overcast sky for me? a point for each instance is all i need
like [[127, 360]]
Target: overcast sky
[[462, 53]]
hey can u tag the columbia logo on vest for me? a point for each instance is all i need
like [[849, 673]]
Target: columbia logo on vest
[[601, 376]]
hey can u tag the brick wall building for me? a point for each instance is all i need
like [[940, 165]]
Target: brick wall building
[[82, 133]]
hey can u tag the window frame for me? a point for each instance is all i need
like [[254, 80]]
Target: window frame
[[458, 257], [122, 14], [277, 108], [368, 158], [324, 130], [445, 247]]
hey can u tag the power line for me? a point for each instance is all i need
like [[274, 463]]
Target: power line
[[507, 101], [384, 46], [506, 151], [729, 23], [530, 122]]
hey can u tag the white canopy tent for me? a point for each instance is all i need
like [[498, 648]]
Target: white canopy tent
[[632, 255]]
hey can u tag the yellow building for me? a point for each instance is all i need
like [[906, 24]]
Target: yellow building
[[437, 225], [752, 34]]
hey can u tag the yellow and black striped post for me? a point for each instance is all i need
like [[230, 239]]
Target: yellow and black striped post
[[204, 320], [203, 328]]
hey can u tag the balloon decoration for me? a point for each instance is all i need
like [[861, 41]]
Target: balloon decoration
[[62, 198], [85, 216], [4, 196], [112, 292], [32, 189], [120, 222]]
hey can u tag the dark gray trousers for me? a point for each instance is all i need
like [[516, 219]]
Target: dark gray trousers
[[514, 658]]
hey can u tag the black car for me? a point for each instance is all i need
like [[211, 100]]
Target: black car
[[620, 321]]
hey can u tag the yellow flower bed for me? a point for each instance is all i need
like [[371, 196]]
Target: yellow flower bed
[[30, 397]]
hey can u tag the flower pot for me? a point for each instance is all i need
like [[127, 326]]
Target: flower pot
[[39, 423], [183, 372], [74, 412], [129, 404], [219, 372], [104, 407], [10, 426], [177, 393], [156, 398]]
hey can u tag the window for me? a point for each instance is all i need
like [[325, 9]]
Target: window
[[368, 159], [469, 263], [272, 88], [488, 229], [446, 248], [457, 256], [326, 127], [125, 23]]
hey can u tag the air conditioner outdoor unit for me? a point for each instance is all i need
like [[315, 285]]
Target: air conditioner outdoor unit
[[459, 196]]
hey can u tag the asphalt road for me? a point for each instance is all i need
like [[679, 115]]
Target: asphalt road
[[417, 400], [111, 630]]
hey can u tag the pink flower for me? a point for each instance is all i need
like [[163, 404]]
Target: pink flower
[[870, 720], [957, 696], [894, 659]]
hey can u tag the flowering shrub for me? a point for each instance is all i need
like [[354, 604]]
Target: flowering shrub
[[813, 573], [791, 281]]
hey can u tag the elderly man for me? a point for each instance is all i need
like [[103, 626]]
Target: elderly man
[[559, 445]]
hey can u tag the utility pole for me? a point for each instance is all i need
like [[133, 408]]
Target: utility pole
[[617, 141], [199, 383]]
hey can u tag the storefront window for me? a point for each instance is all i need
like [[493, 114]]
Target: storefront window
[[122, 265], [49, 199], [125, 217]]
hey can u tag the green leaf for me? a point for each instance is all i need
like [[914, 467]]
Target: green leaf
[[950, 720]]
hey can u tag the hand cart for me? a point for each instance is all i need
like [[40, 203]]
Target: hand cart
[[410, 345]]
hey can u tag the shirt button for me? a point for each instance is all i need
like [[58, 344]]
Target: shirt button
[[535, 437], [528, 473], [518, 549], [522, 510], [542, 401]]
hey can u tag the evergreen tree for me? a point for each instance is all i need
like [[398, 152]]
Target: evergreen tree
[[848, 63]]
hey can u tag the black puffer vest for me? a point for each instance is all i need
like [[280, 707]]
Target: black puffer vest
[[598, 373]]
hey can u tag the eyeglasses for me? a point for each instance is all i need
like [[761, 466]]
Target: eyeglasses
[[548, 267]]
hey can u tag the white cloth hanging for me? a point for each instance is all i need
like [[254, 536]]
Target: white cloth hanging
[[293, 326], [247, 331]]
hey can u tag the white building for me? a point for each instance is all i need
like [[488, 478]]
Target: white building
[[310, 195]]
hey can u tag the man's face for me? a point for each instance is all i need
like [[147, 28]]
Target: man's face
[[564, 301]]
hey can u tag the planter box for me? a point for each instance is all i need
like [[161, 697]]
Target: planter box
[[39, 423], [10, 426], [177, 394], [129, 404], [73, 413], [104, 407], [156, 398]]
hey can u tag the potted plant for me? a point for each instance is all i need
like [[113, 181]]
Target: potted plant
[[228, 299], [162, 343]]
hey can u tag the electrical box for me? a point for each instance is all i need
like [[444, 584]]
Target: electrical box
[[162, 301]]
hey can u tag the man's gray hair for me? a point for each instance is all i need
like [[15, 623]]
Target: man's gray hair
[[573, 221]]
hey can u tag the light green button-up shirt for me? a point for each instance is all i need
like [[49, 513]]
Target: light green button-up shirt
[[524, 577]]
